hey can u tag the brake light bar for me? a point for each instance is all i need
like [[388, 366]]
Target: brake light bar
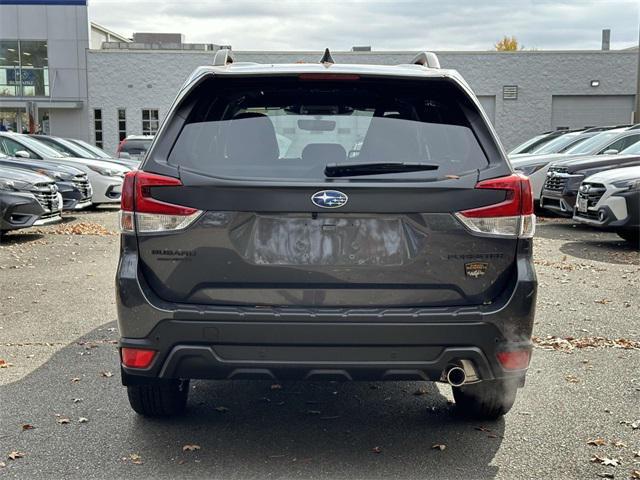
[[137, 357], [513, 217], [142, 213], [329, 76]]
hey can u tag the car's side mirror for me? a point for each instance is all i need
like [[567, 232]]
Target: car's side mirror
[[611, 151], [22, 154], [124, 155]]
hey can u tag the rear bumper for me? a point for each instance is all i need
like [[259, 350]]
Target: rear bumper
[[195, 341]]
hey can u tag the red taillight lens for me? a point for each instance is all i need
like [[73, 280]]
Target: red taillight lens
[[145, 214], [126, 199], [515, 359], [519, 199], [145, 203], [513, 217], [137, 357]]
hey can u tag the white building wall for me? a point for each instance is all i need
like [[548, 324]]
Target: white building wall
[[150, 79]]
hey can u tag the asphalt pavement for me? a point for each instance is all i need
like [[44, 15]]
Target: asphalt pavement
[[64, 414]]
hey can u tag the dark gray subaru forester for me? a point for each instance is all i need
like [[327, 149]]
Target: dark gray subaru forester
[[326, 222]]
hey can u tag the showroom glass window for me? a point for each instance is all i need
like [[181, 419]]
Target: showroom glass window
[[24, 68], [122, 124], [150, 121]]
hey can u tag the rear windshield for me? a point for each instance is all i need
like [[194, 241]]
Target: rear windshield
[[136, 146], [292, 129]]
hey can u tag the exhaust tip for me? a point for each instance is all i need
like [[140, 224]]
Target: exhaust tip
[[456, 376]]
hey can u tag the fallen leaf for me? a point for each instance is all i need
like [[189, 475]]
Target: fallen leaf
[[612, 462], [222, 409], [2, 464], [77, 400], [635, 474], [572, 379], [636, 454], [83, 420], [135, 459], [27, 426], [618, 443], [438, 446], [15, 455], [190, 448], [63, 420], [421, 391], [106, 374], [181, 462], [75, 380], [604, 301], [376, 449], [606, 475], [597, 442], [635, 425]]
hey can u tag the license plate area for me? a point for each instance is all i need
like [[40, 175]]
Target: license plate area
[[582, 204], [385, 240]]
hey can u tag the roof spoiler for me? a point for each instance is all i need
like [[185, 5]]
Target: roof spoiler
[[223, 57], [426, 59]]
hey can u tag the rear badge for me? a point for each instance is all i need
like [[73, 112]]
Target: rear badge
[[329, 199], [476, 269]]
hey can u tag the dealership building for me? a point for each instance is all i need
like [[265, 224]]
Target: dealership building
[[67, 77]]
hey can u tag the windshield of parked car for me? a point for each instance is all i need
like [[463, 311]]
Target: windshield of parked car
[[78, 150], [594, 144], [92, 148], [39, 147], [525, 147], [558, 144], [136, 146], [293, 130], [632, 150]]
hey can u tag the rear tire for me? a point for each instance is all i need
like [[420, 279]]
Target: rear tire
[[486, 400], [631, 236], [159, 399]]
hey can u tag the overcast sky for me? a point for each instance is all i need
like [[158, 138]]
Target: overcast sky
[[385, 25]]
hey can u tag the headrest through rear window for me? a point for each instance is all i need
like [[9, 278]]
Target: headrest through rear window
[[324, 152], [250, 136]]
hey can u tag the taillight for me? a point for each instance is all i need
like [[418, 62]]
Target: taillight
[[142, 213], [513, 217], [514, 359], [137, 357]]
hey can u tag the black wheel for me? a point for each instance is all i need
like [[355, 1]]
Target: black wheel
[[487, 400], [631, 236], [159, 399]]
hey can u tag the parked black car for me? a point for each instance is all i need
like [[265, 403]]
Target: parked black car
[[563, 179], [72, 183], [27, 199], [254, 248]]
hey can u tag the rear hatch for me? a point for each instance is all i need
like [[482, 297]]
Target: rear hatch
[[323, 190]]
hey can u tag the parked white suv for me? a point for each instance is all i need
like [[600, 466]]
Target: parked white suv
[[611, 200]]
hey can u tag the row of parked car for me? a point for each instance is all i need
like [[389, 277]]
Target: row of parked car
[[42, 176], [590, 174]]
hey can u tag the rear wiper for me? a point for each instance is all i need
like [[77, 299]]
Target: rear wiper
[[354, 169]]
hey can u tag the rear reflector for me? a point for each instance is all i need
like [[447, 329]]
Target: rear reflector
[[515, 359], [137, 357], [143, 213], [513, 217]]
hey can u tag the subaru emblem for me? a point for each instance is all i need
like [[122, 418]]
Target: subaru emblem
[[329, 199]]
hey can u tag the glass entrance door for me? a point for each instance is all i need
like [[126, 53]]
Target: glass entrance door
[[14, 119]]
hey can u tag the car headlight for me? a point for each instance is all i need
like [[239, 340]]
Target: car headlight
[[529, 169], [107, 172], [51, 173], [12, 185], [7, 184], [631, 184]]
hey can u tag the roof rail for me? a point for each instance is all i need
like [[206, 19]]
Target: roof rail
[[426, 59], [223, 57]]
